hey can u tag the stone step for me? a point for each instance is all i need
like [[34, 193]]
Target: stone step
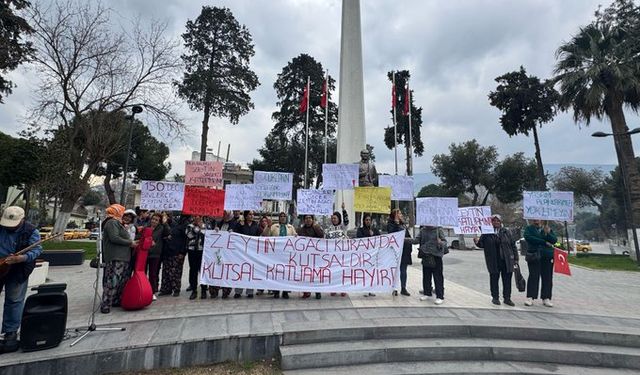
[[357, 330], [462, 368], [342, 353]]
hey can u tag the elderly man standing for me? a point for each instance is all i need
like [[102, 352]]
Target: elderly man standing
[[15, 234], [500, 255]]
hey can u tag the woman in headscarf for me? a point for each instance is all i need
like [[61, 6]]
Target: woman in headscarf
[[116, 254]]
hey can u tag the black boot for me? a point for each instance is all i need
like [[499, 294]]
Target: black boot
[[9, 343], [285, 295], [193, 295], [404, 292], [203, 293], [318, 295]]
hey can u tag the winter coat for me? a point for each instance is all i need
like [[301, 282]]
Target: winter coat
[[498, 247], [115, 242], [159, 233], [177, 241], [427, 238], [367, 232], [537, 241], [274, 230], [313, 231], [407, 247], [251, 229]]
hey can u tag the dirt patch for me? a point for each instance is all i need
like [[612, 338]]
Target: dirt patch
[[264, 367]]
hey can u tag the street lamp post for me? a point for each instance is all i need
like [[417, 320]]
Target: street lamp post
[[625, 185], [135, 109]]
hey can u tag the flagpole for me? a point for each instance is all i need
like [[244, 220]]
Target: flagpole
[[326, 115], [410, 171], [306, 140], [395, 128]]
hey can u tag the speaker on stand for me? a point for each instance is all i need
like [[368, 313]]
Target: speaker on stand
[[44, 318]]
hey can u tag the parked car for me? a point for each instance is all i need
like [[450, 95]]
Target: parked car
[[82, 233], [94, 234], [583, 246], [45, 232], [69, 234]]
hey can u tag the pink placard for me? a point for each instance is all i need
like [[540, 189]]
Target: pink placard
[[203, 173]]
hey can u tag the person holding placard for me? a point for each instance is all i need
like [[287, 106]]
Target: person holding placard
[[540, 240], [248, 228], [433, 245], [227, 224], [281, 229], [309, 228], [396, 224], [500, 255], [337, 229], [366, 230]]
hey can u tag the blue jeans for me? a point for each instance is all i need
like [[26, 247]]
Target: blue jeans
[[13, 304]]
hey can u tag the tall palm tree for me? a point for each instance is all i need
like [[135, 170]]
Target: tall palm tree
[[598, 72]]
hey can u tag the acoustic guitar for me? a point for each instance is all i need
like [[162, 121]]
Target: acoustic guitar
[[6, 267]]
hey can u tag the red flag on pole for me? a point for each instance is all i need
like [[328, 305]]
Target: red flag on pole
[[561, 262], [407, 100], [305, 100], [323, 98]]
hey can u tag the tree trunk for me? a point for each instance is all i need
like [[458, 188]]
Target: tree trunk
[[27, 200], [111, 195], [63, 217], [55, 209], [542, 181], [626, 157], [205, 132]]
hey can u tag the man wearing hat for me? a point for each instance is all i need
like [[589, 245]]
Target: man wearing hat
[[500, 255], [15, 235]]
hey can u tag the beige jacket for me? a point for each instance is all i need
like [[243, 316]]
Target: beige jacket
[[274, 231]]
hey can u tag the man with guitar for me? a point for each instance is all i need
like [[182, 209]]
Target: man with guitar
[[15, 234]]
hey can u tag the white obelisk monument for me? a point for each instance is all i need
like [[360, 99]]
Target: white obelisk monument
[[351, 130]]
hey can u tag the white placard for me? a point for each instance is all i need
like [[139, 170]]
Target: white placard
[[302, 263], [161, 195], [315, 202], [548, 205], [438, 212], [241, 197], [474, 220], [273, 185], [401, 186], [340, 176]]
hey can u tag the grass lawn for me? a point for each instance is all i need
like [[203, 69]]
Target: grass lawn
[[605, 262], [88, 246], [264, 367]]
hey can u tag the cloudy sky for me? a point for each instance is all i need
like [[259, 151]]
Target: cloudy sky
[[454, 50]]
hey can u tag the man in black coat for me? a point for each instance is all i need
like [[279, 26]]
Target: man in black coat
[[500, 255]]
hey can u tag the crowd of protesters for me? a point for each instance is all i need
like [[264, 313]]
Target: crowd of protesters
[[180, 237]]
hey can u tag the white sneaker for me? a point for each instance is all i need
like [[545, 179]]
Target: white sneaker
[[438, 301], [547, 302], [154, 298], [425, 298], [528, 302]]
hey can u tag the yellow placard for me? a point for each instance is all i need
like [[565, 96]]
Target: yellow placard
[[373, 199]]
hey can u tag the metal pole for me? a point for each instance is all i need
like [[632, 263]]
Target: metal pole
[[126, 162], [395, 127], [627, 196], [326, 117], [306, 137], [410, 171]]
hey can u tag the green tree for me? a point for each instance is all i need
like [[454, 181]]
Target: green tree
[[402, 121], [13, 50], [284, 145], [514, 174], [433, 190], [91, 198], [588, 187], [526, 103], [20, 164], [217, 78], [598, 75]]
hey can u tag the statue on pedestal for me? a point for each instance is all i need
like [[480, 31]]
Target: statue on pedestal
[[368, 176]]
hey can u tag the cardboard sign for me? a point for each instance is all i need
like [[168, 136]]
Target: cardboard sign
[[161, 195], [474, 220], [273, 185], [315, 202], [401, 186], [242, 197], [372, 199], [548, 205], [302, 263], [203, 201], [203, 173], [339, 176], [437, 212]]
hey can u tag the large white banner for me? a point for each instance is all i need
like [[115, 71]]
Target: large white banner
[[241, 197], [302, 264], [315, 202], [273, 185], [161, 195], [474, 220], [339, 176], [401, 186], [437, 212], [548, 205]]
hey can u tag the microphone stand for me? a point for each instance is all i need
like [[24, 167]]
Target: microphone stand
[[92, 321]]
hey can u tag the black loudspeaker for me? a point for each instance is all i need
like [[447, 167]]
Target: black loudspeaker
[[44, 318]]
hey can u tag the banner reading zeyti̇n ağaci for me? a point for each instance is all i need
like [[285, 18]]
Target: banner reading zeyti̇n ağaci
[[302, 263]]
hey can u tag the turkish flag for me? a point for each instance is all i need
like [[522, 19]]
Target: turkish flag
[[405, 110], [561, 262], [323, 98], [305, 100]]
